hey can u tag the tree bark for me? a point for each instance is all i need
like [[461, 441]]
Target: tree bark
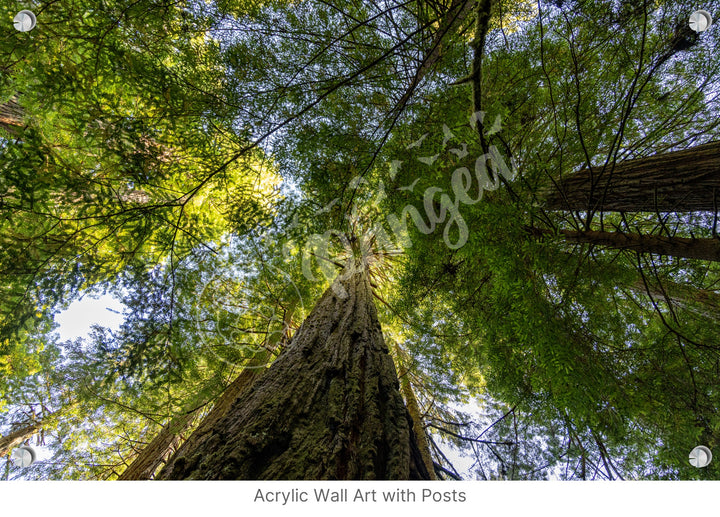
[[11, 116], [329, 406], [17, 437], [158, 450], [418, 428], [703, 249], [681, 181], [167, 441]]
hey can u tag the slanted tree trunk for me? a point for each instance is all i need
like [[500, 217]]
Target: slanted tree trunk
[[417, 420], [159, 449], [242, 383], [17, 437], [703, 249], [457, 14], [11, 116], [328, 407], [169, 439], [700, 301], [682, 181]]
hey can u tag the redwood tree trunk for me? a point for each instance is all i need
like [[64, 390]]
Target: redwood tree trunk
[[682, 181], [329, 407], [703, 249], [418, 428], [158, 450], [251, 372], [699, 301], [242, 383], [17, 437], [11, 116]]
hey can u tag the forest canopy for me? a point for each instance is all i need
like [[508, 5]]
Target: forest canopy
[[508, 208]]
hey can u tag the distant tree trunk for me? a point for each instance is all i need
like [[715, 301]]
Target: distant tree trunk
[[159, 449], [450, 21], [11, 116], [327, 408], [703, 249], [167, 441], [417, 420], [17, 437], [682, 181], [700, 301]]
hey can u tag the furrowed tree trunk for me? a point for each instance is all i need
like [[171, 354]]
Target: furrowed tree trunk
[[329, 406], [158, 450], [682, 181], [15, 438], [167, 441], [703, 249]]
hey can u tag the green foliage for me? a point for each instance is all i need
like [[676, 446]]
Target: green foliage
[[186, 157], [122, 155]]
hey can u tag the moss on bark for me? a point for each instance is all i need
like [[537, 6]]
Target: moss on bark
[[328, 408]]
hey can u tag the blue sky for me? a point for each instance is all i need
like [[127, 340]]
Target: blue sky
[[77, 319]]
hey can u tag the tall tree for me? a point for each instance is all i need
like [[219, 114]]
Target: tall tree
[[327, 408], [365, 108], [680, 181], [11, 116], [157, 452], [693, 248]]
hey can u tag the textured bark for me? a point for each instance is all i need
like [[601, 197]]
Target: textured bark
[[17, 437], [703, 249], [169, 440], [250, 373], [328, 407], [242, 383], [682, 181], [158, 450], [416, 416]]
